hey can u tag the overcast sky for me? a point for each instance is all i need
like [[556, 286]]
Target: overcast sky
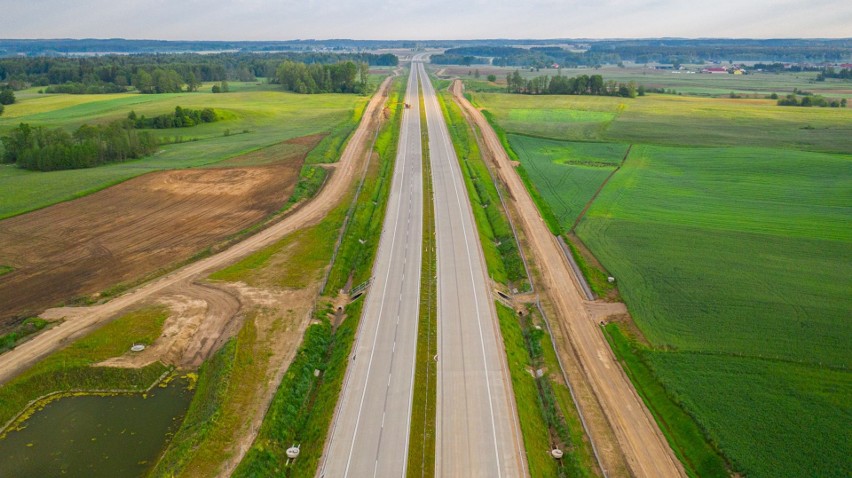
[[426, 19]]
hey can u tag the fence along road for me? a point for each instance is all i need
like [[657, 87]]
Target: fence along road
[[477, 430], [371, 427]]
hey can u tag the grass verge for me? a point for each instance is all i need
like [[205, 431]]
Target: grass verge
[[421, 451], [687, 440], [595, 275], [21, 331], [331, 147], [71, 368], [533, 426]]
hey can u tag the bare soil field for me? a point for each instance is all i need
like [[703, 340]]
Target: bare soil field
[[123, 233]]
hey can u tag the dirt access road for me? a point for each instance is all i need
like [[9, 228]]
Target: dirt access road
[[645, 448], [342, 174]]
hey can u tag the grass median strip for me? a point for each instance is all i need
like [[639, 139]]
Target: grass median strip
[[421, 451]]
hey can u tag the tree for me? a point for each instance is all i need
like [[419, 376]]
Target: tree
[[7, 96], [143, 82], [476, 74], [492, 78], [216, 88], [192, 83], [224, 86], [1, 109]]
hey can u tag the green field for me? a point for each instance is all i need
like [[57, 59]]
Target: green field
[[567, 173], [254, 116], [727, 229], [757, 83], [674, 120]]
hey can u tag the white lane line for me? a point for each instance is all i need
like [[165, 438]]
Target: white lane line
[[473, 283], [404, 148]]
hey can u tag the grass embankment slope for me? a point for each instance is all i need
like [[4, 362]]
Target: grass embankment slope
[[547, 414], [727, 229], [255, 116]]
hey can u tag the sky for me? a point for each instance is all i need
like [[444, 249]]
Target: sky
[[425, 19]]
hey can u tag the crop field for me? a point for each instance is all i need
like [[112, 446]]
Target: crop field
[[568, 173], [254, 116], [727, 230], [758, 83], [674, 120]]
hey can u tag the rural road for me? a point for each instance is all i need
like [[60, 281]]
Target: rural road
[[371, 429], [343, 174], [643, 445], [478, 433]]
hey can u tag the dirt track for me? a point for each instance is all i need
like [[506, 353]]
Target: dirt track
[[644, 447], [81, 321]]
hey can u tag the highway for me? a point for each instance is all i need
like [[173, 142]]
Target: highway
[[370, 432], [477, 430]]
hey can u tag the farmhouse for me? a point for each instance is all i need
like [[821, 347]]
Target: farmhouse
[[718, 70]]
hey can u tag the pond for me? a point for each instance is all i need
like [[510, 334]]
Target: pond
[[92, 436]]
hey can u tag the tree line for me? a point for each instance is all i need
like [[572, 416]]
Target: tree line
[[180, 118], [842, 74], [45, 149], [593, 85], [344, 77], [7, 97], [160, 73], [811, 100]]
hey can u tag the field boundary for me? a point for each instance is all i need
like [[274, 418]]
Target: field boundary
[[600, 188]]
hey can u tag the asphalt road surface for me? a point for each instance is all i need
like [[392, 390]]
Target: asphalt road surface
[[477, 429], [371, 428]]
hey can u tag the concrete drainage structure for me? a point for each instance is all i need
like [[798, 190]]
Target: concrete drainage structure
[[293, 452]]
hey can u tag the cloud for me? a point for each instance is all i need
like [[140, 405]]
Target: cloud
[[412, 19]]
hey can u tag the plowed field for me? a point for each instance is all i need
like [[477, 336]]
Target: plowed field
[[120, 234]]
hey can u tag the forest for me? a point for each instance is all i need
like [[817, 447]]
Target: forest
[[345, 77], [593, 85], [45, 149], [668, 51], [152, 73]]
